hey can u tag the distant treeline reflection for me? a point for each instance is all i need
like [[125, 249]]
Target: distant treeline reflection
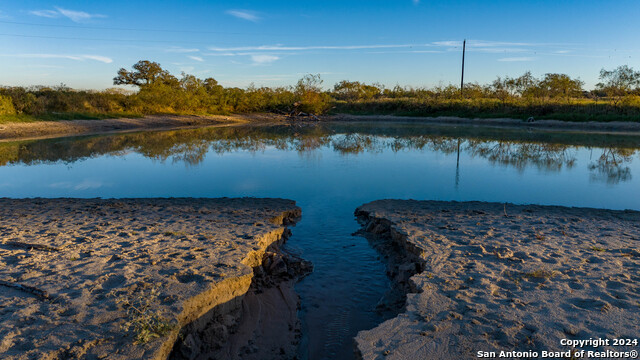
[[548, 151]]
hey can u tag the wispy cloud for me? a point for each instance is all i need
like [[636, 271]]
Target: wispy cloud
[[45, 13], [3, 15], [79, 186], [78, 16], [73, 15], [482, 43], [177, 49], [484, 46], [492, 47], [99, 58], [272, 48], [244, 15], [263, 59], [416, 2], [196, 58], [407, 52], [516, 59]]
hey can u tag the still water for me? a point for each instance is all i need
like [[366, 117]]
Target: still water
[[330, 169]]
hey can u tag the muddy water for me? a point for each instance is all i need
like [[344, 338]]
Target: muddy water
[[330, 170]]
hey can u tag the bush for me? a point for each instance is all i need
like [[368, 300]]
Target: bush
[[6, 106]]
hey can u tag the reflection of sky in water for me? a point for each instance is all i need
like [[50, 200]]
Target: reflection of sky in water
[[575, 176]]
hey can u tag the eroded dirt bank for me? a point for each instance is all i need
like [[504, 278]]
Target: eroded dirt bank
[[88, 278], [495, 277]]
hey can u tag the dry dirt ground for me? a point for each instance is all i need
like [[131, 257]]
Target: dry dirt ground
[[75, 272], [496, 277], [50, 129]]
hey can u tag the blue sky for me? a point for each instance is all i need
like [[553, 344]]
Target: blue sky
[[273, 43]]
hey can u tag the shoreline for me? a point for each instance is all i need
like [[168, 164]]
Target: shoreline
[[614, 127], [497, 277], [69, 128], [77, 275]]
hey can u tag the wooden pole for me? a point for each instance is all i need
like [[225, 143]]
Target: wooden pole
[[464, 46]]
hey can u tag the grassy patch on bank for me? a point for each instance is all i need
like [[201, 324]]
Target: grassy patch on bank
[[580, 111]]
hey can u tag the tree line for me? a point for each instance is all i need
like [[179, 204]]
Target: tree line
[[617, 95]]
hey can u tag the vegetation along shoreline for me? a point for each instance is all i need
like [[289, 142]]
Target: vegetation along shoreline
[[159, 95]]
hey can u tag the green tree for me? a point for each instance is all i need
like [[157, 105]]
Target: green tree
[[6, 106], [211, 85], [560, 86], [190, 83], [525, 84], [619, 82], [145, 73], [503, 89], [309, 95], [354, 90]]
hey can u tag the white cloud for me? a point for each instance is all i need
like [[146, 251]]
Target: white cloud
[[177, 49], [45, 13], [303, 48], [481, 43], [73, 15], [103, 59], [496, 50], [483, 46], [99, 58], [263, 59], [77, 16], [516, 59], [244, 14], [407, 52], [196, 58], [79, 186]]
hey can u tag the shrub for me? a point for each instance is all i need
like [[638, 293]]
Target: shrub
[[6, 106]]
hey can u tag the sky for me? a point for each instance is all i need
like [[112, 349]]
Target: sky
[[273, 43]]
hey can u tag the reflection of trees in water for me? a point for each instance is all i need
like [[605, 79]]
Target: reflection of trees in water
[[612, 166], [192, 146], [356, 143], [550, 157], [441, 144]]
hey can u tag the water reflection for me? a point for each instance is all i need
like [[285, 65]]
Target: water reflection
[[547, 151], [549, 157], [612, 166]]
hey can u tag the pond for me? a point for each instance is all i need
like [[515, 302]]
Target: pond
[[330, 169]]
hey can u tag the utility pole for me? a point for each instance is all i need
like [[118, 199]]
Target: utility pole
[[464, 46]]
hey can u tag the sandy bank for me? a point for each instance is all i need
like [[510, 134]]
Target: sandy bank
[[52, 129], [591, 126], [73, 272], [490, 277]]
